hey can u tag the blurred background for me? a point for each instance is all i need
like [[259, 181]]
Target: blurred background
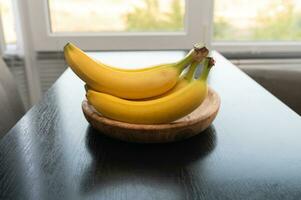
[[263, 38]]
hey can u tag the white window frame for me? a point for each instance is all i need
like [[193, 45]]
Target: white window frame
[[196, 11], [11, 49], [2, 40], [253, 47]]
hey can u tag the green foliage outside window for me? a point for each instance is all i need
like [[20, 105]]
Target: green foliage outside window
[[151, 19], [282, 25]]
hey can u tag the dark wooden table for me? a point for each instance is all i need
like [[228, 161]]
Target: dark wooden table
[[252, 151]]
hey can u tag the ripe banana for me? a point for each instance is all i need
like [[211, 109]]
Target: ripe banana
[[183, 82], [160, 110], [129, 84]]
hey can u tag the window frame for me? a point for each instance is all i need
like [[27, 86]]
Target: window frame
[[2, 40], [254, 47], [43, 40], [196, 11], [10, 49]]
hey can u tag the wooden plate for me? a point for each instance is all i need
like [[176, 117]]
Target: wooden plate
[[188, 126]]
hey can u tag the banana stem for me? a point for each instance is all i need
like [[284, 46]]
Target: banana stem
[[185, 62], [192, 70], [198, 53], [208, 63]]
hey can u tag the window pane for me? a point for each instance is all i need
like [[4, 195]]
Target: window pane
[[257, 20], [8, 21], [116, 15]]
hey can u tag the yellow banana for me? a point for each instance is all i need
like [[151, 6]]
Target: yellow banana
[[129, 84], [161, 110], [183, 82]]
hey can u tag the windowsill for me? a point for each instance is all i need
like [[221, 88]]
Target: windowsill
[[231, 50], [260, 49], [11, 51]]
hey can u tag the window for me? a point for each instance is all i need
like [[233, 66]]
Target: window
[[257, 25], [266, 20], [116, 16], [8, 25], [117, 24], [239, 25]]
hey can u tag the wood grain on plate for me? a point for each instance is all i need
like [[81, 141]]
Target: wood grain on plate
[[190, 125]]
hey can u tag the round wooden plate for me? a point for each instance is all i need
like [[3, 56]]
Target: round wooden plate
[[186, 127]]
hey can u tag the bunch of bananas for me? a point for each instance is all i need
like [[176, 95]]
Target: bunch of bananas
[[153, 95]]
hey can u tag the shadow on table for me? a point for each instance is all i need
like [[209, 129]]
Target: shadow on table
[[116, 163]]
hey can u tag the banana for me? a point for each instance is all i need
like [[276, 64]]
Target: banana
[[184, 80], [160, 110], [129, 84]]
